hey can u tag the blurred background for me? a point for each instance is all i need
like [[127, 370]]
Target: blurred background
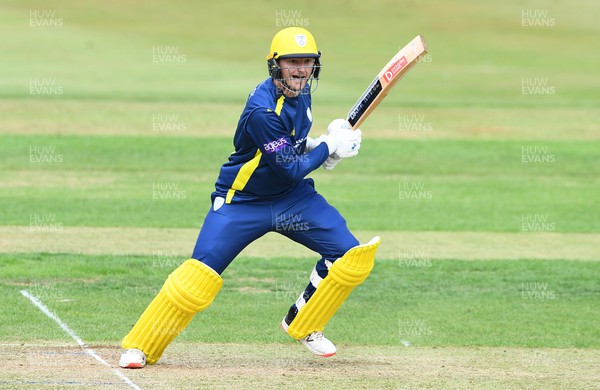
[[119, 63], [480, 172]]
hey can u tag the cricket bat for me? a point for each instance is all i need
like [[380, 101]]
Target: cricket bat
[[393, 71]]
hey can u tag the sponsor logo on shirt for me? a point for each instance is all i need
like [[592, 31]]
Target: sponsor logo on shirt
[[276, 145]]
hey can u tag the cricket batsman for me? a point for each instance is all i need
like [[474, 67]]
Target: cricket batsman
[[263, 188]]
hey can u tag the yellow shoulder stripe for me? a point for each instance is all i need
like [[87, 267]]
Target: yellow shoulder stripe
[[241, 179], [279, 105]]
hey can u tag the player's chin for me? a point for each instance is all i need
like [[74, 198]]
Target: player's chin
[[297, 83]]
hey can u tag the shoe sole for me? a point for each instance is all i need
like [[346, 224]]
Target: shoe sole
[[133, 365]]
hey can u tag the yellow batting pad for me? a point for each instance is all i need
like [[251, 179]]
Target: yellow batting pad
[[188, 290], [346, 273]]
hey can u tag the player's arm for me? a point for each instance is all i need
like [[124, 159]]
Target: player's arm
[[268, 132]]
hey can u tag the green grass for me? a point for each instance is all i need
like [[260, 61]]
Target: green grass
[[447, 303], [103, 65], [470, 164], [473, 185]]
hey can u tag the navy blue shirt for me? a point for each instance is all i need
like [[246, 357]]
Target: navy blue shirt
[[270, 141]]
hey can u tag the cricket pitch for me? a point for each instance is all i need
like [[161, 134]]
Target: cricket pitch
[[275, 366]]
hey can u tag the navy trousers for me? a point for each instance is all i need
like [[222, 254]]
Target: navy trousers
[[303, 215]]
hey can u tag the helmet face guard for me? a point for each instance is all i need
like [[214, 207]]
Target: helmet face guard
[[294, 42], [312, 81]]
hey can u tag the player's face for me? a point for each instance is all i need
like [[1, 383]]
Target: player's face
[[296, 71]]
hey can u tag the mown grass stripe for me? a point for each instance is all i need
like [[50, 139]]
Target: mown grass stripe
[[398, 246]]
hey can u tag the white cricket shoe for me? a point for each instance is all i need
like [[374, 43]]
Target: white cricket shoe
[[316, 342], [132, 358]]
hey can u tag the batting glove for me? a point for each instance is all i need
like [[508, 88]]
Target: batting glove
[[331, 162], [352, 145], [311, 143], [338, 124], [344, 143]]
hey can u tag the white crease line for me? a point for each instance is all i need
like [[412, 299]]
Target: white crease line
[[78, 340]]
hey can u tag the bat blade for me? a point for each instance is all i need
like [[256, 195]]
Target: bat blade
[[393, 71]]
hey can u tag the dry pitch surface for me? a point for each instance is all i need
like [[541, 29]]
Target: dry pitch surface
[[276, 366], [178, 241]]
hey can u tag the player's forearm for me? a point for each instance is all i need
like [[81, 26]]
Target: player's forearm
[[294, 167]]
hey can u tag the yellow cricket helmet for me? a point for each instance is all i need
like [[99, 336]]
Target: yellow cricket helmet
[[293, 42]]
